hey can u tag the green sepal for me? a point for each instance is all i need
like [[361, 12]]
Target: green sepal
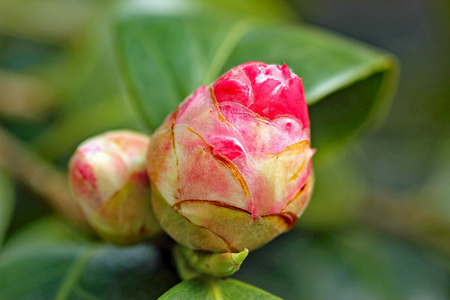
[[191, 263]]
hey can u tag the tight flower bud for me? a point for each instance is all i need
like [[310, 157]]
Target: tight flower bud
[[108, 178], [231, 167]]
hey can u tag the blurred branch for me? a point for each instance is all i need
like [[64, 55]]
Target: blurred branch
[[43, 178], [24, 96]]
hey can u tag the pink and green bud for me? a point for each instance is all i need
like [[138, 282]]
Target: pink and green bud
[[231, 167], [108, 178]]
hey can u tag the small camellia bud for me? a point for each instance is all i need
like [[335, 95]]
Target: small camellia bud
[[231, 167], [108, 179]]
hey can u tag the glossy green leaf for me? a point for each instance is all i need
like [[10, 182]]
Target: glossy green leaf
[[47, 261], [164, 59], [208, 288], [354, 265], [6, 204]]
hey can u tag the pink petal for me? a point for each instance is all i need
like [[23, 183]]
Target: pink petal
[[274, 179], [268, 90], [206, 176]]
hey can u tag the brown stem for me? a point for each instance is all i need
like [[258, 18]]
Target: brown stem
[[39, 175]]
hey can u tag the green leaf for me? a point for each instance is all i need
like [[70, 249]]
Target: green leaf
[[6, 204], [80, 125], [208, 288], [164, 59], [44, 262], [46, 231]]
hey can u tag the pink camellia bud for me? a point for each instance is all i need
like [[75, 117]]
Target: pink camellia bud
[[231, 167], [108, 178]]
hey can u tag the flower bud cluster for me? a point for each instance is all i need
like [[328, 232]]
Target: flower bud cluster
[[230, 169]]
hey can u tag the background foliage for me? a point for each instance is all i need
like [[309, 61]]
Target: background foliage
[[377, 226]]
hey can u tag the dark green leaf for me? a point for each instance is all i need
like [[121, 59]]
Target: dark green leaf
[[47, 261], [163, 59], [6, 204], [208, 288]]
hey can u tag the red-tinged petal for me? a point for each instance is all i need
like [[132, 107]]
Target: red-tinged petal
[[133, 146], [226, 146], [281, 74], [205, 176], [274, 178], [162, 165], [232, 90], [97, 171], [261, 135], [291, 102], [265, 93], [268, 90], [202, 115], [83, 180], [190, 108]]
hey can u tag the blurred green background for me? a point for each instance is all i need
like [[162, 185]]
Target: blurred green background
[[378, 226]]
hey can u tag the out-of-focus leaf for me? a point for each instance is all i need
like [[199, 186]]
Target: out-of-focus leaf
[[49, 260], [47, 230], [338, 197], [17, 54], [50, 21], [6, 204], [163, 59], [109, 114], [422, 214], [208, 288], [356, 265], [437, 190]]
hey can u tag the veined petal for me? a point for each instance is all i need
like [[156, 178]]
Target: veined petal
[[97, 171], [236, 227], [182, 230], [128, 216], [300, 200], [204, 175], [133, 146], [274, 178], [261, 135], [270, 91], [162, 165]]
